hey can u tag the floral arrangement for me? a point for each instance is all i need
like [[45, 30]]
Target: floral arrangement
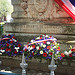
[[43, 47], [10, 46], [70, 53]]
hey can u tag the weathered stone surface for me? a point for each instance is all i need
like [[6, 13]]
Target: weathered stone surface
[[65, 63], [18, 8], [39, 10], [20, 14], [36, 68], [16, 2], [43, 9], [41, 28], [72, 64]]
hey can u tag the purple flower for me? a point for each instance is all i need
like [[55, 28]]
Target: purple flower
[[48, 57], [60, 58], [73, 54]]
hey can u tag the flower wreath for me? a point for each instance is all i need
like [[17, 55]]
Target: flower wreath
[[43, 47], [10, 46], [70, 53]]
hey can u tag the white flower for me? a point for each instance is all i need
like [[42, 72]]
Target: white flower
[[48, 42], [17, 48], [66, 53], [54, 47], [41, 44], [37, 47], [44, 45], [46, 35], [0, 53], [41, 52], [54, 39], [38, 38], [32, 40], [30, 48], [57, 52], [70, 52], [15, 40]]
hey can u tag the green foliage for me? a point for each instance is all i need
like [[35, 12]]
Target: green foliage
[[5, 7], [1, 27]]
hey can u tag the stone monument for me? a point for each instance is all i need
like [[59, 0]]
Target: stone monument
[[34, 17]]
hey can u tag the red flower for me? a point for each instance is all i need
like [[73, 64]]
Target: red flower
[[33, 53], [44, 42], [2, 48], [40, 35], [19, 45], [15, 51], [50, 53], [39, 48], [44, 54], [13, 37], [62, 54], [7, 49], [70, 55], [25, 49], [7, 44], [8, 34], [27, 42], [33, 46], [45, 34], [50, 36], [11, 41], [58, 48], [72, 49], [48, 47]]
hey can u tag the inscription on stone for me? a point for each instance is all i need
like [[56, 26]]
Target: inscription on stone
[[35, 29]]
